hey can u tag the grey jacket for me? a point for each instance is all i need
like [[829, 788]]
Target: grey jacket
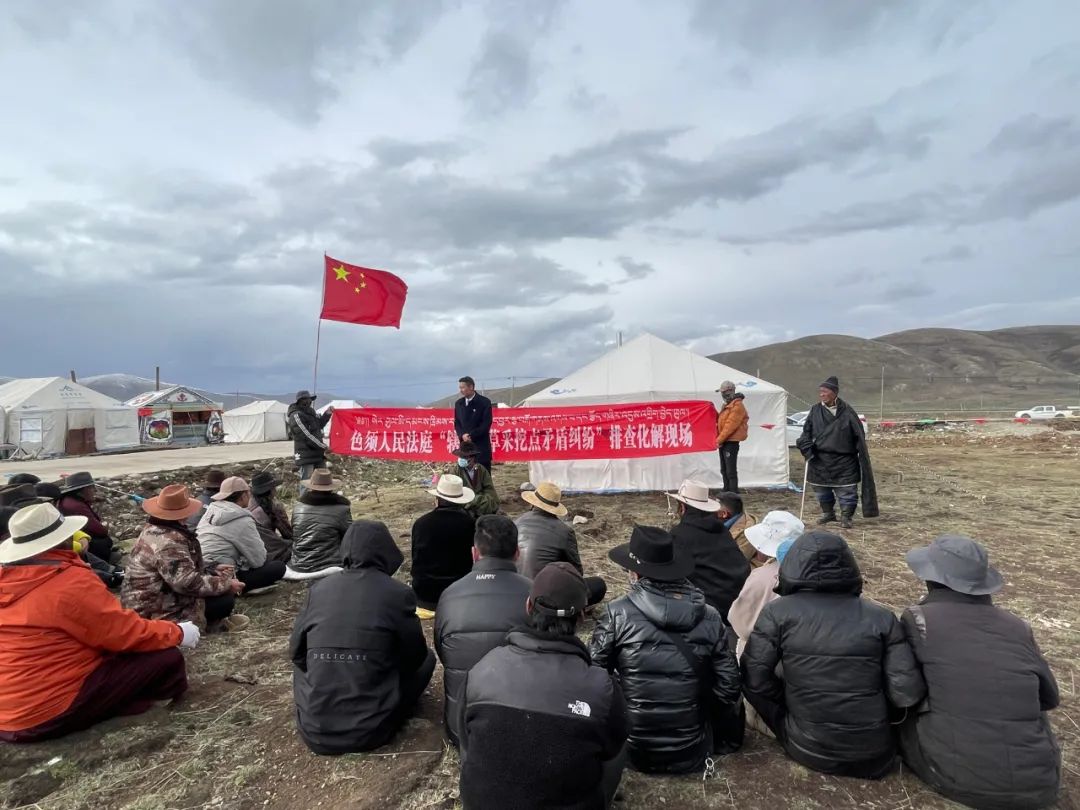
[[543, 539], [228, 536], [319, 522]]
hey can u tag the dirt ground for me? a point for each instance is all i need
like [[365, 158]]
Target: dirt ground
[[231, 743]]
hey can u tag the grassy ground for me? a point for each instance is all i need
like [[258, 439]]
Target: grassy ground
[[231, 743]]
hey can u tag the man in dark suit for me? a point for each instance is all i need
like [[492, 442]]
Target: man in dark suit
[[472, 420]]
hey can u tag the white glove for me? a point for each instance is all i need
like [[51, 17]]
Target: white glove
[[191, 635]]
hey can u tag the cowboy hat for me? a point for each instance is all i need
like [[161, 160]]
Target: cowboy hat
[[19, 495], [467, 450], [263, 482], [304, 394], [76, 481], [958, 563], [213, 479], [546, 497], [35, 530], [229, 487], [453, 490], [696, 495], [172, 503], [322, 481], [774, 529], [653, 554]]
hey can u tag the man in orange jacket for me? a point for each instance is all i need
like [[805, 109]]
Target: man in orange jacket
[[731, 428], [70, 656]]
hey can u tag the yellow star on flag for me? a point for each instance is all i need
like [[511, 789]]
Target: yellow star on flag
[[342, 273]]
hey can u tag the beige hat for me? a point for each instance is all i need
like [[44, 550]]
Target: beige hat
[[451, 488], [546, 497], [229, 487], [36, 529], [696, 494], [322, 481]]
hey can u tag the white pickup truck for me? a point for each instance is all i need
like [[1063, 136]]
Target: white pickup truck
[[1042, 412]]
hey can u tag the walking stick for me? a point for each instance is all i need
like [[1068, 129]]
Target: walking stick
[[805, 478]]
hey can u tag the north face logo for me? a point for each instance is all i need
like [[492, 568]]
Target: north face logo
[[580, 707]]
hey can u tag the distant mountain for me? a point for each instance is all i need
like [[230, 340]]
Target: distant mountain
[[511, 396], [927, 368]]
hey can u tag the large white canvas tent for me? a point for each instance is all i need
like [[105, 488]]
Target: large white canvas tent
[[262, 421], [337, 405], [51, 416], [648, 369]]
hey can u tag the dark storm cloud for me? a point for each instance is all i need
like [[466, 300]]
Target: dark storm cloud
[[1034, 132]]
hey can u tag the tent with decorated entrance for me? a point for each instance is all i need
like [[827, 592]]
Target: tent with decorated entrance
[[179, 415], [261, 421], [648, 369]]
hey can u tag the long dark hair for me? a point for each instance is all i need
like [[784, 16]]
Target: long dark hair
[[265, 500]]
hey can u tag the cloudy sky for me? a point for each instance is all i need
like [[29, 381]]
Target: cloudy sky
[[724, 173]]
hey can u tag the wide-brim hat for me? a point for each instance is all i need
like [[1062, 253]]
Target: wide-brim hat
[[467, 450], [696, 495], [653, 553], [35, 530], [773, 531], [19, 495], [322, 481], [304, 394], [452, 489], [172, 503], [958, 563], [263, 482], [76, 481], [546, 497], [214, 479]]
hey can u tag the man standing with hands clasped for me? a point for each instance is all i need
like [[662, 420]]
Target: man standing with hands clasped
[[731, 430], [472, 420]]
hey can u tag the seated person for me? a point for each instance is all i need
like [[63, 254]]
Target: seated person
[[442, 544], [70, 656], [982, 737], [23, 478], [669, 650], [477, 611], [737, 521], [166, 576], [229, 537], [540, 727], [360, 661], [544, 537], [846, 663], [78, 494], [271, 519], [320, 519], [477, 478], [211, 487], [720, 569]]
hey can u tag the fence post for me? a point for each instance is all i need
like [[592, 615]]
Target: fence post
[[881, 412]]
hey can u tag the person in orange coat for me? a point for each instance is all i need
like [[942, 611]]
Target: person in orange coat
[[70, 656], [731, 428]]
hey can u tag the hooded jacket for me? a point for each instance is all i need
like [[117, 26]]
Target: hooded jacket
[[306, 431], [981, 737], [57, 622], [473, 618], [441, 551], [229, 536], [732, 421], [354, 639], [720, 569], [668, 730], [319, 522], [845, 661]]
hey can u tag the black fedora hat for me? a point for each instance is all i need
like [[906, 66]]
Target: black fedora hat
[[263, 482], [654, 554], [19, 495], [76, 481]]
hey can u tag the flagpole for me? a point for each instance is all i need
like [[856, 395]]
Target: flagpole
[[318, 332]]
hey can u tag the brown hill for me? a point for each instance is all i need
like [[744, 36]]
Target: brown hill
[[928, 369], [511, 396]]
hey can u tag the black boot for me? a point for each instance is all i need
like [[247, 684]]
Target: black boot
[[845, 518], [827, 516]]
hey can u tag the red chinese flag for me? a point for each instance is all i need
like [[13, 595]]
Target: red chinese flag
[[361, 295]]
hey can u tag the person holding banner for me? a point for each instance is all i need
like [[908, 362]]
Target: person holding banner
[[472, 420], [305, 428]]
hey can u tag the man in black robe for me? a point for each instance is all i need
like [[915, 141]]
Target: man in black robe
[[472, 420], [833, 443]]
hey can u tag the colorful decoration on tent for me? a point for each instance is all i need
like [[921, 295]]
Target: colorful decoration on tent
[[155, 426]]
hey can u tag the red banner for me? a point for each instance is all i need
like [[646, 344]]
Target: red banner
[[531, 434]]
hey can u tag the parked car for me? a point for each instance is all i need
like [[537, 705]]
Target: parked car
[[1042, 412], [795, 425]]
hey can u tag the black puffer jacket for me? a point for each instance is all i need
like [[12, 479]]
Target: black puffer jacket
[[474, 616], [319, 522], [355, 638], [306, 429], [720, 568], [845, 664], [668, 731]]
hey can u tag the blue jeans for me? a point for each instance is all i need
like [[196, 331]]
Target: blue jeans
[[848, 496]]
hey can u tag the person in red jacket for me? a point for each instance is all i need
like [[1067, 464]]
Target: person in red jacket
[[70, 656], [77, 495], [731, 430]]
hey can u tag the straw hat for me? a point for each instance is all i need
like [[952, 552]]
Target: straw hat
[[35, 530], [452, 489], [230, 486], [546, 497], [322, 481], [172, 503], [696, 495]]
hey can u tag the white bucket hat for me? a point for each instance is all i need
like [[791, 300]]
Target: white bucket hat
[[696, 494], [451, 488], [770, 534], [35, 530]]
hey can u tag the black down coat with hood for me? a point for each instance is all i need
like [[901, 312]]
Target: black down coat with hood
[[668, 730], [846, 663], [355, 638]]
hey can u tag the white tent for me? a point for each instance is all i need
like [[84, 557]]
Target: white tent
[[337, 405], [45, 416], [262, 421], [648, 369]]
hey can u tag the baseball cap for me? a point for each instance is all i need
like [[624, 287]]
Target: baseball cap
[[559, 590]]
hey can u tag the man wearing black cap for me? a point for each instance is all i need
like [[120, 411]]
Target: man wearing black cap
[[305, 428], [540, 726], [833, 443], [670, 651]]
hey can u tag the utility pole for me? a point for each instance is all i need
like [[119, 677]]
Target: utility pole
[[620, 339], [513, 385], [157, 378], [73, 376], [881, 414]]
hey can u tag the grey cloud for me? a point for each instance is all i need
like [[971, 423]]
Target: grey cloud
[[394, 153], [1034, 132], [859, 275], [952, 254], [635, 270], [906, 290], [1043, 184]]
